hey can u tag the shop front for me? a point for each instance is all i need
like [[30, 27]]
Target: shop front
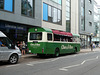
[[16, 32]]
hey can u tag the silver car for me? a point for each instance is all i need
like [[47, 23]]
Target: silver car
[[8, 51]]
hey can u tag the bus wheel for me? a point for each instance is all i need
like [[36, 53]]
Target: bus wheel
[[56, 52]]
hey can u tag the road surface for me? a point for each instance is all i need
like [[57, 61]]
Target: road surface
[[74, 64]]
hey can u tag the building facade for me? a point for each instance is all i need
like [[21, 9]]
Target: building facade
[[87, 27], [17, 16], [75, 16]]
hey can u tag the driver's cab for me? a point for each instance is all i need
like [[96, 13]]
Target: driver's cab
[[8, 49]]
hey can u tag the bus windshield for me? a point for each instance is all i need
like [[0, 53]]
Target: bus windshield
[[36, 36]]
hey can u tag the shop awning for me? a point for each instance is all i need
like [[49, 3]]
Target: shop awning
[[62, 33]]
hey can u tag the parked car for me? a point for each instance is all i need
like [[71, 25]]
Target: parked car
[[8, 51]]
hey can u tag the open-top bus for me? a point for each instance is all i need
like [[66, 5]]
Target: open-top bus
[[43, 41]]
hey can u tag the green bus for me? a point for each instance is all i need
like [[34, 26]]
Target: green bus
[[43, 41]]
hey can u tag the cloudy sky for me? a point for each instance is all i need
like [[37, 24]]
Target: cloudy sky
[[98, 1]]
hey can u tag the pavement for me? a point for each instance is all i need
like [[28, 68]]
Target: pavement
[[81, 51], [89, 50]]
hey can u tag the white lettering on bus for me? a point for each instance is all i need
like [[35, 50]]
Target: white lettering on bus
[[34, 44], [66, 47]]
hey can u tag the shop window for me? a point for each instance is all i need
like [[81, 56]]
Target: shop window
[[45, 12], [6, 5], [27, 7]]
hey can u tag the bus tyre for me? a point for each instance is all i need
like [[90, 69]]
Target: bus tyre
[[13, 59], [56, 52]]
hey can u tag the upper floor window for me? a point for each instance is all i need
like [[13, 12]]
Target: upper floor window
[[90, 1], [6, 5], [58, 1], [90, 12], [27, 7], [90, 23], [52, 14]]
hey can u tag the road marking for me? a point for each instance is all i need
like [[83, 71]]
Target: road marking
[[66, 68], [55, 59], [47, 60], [13, 65]]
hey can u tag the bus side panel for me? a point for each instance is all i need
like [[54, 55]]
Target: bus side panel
[[51, 47], [66, 48], [69, 47], [36, 47]]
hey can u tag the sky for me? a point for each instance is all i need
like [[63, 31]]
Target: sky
[[98, 1]]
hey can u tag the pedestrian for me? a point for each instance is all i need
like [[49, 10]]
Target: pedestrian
[[99, 45], [91, 46], [94, 45], [22, 47]]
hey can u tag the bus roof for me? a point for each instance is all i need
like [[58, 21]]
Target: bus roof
[[40, 30], [75, 35], [51, 31], [62, 33]]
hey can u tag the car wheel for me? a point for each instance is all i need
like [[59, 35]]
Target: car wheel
[[13, 59]]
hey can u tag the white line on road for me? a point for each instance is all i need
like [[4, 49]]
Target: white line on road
[[66, 68], [47, 60], [13, 65]]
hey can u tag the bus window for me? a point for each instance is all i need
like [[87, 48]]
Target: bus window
[[35, 36], [70, 39], [76, 39], [56, 37], [49, 37]]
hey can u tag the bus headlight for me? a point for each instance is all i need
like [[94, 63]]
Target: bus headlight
[[30, 51]]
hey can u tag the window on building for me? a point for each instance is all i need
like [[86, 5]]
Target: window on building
[[49, 14], [52, 14], [1, 4], [45, 12], [68, 15], [27, 7], [90, 23], [90, 1], [59, 17], [6, 5], [90, 12], [82, 16], [57, 1]]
